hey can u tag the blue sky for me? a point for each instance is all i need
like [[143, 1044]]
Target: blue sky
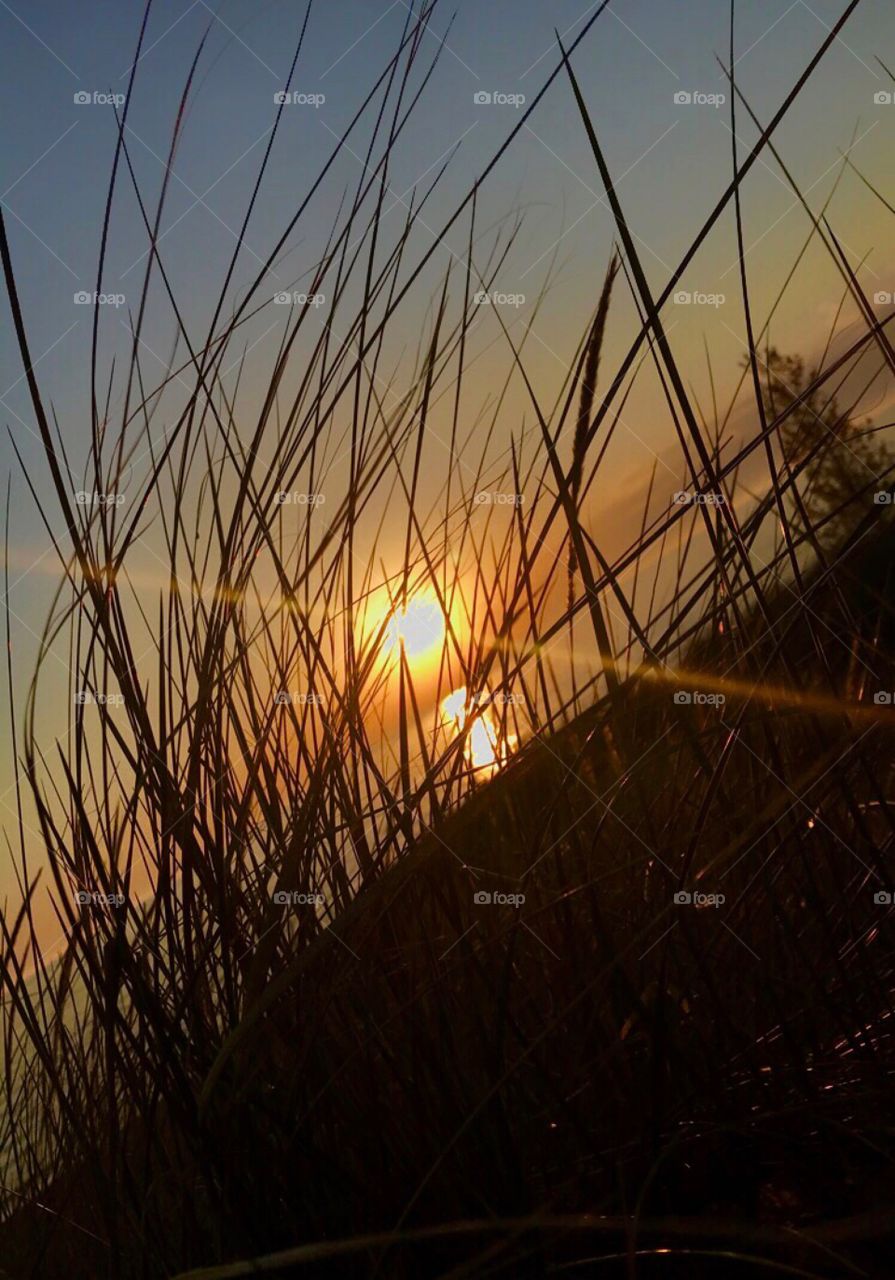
[[57, 154]]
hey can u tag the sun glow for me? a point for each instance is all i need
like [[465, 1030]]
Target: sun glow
[[485, 747], [417, 627]]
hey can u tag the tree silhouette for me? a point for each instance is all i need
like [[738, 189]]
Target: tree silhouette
[[845, 463]]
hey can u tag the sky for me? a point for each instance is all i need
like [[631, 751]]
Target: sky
[[670, 160]]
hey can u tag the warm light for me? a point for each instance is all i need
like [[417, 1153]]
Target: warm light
[[418, 627], [484, 748], [454, 706]]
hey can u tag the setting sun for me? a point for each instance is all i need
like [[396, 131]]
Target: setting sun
[[418, 627], [485, 748]]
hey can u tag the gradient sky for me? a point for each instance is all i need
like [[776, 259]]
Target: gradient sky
[[670, 163], [57, 155]]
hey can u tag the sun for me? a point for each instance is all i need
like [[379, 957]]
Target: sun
[[417, 627], [485, 749]]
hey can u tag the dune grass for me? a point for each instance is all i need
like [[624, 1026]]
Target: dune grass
[[284, 1027]]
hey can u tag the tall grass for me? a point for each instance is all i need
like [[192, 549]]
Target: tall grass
[[282, 1028]]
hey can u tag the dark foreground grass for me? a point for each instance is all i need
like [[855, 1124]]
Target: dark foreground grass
[[332, 1002]]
